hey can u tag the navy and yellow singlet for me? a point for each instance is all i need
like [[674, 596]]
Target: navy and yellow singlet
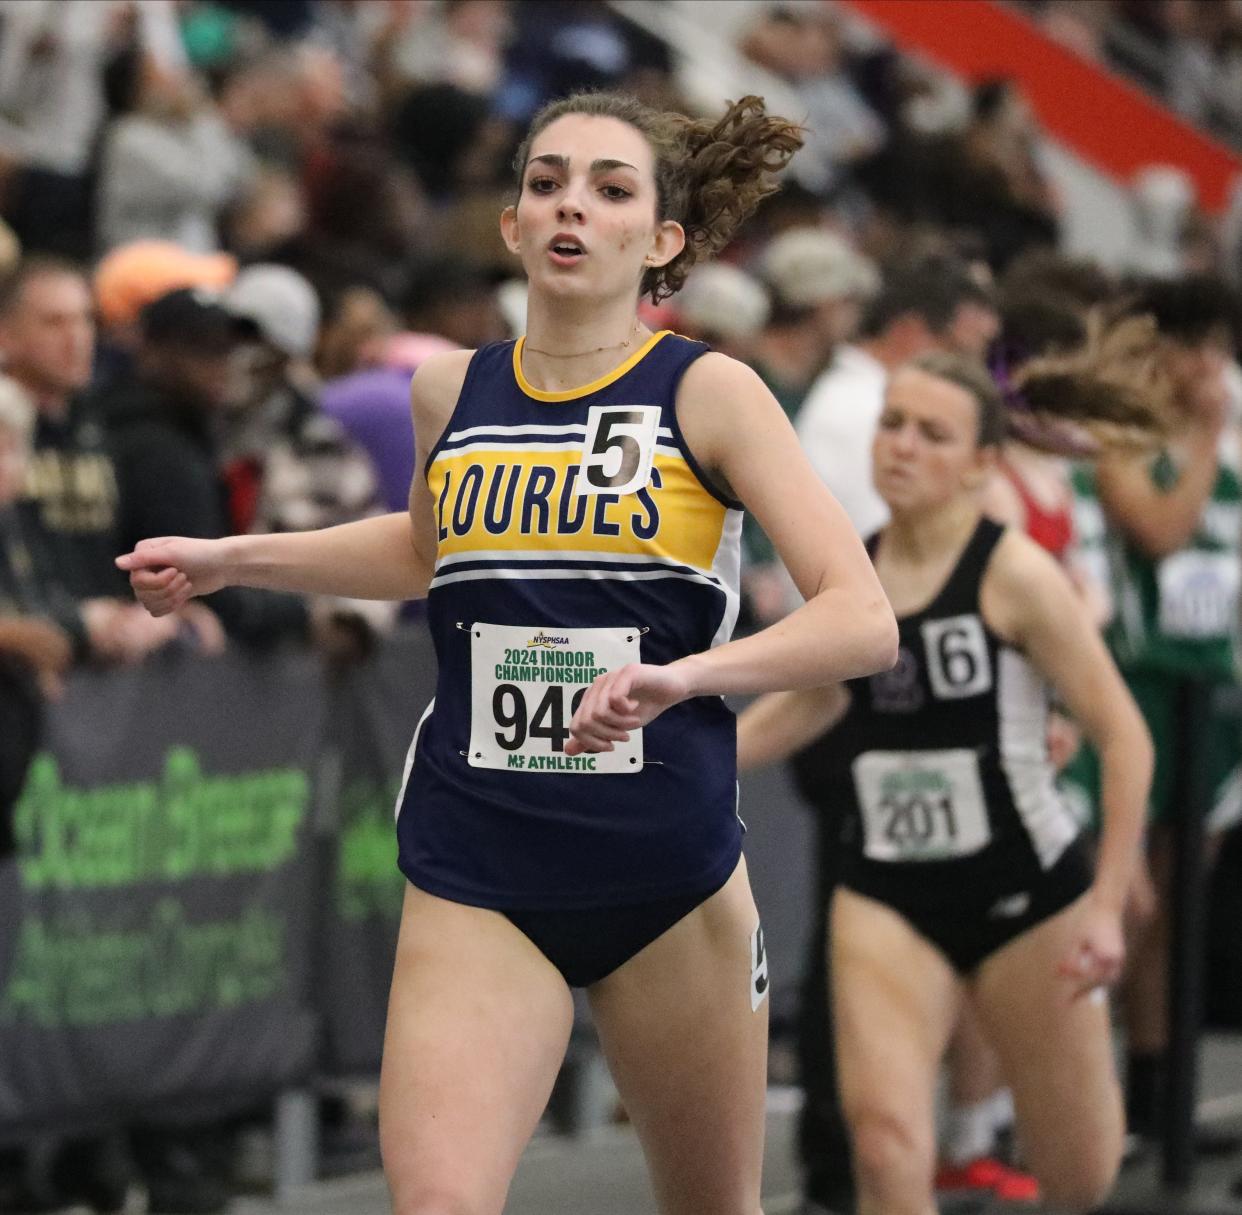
[[576, 534]]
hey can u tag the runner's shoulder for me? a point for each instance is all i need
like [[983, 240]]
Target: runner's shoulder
[[1022, 581], [437, 385]]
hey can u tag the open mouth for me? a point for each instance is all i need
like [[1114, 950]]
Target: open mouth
[[565, 250]]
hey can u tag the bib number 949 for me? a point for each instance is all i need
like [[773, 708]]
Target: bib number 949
[[550, 719], [526, 683]]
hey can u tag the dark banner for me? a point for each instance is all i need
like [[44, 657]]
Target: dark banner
[[374, 712], [205, 902], [153, 927]]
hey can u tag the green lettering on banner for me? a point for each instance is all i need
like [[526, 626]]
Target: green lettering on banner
[[368, 882], [72, 971], [185, 825]]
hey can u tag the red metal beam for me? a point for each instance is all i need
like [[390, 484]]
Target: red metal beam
[[1109, 123]]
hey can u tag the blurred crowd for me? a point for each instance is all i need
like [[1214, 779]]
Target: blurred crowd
[[1189, 52], [232, 229]]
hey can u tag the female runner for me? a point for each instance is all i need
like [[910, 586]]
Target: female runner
[[962, 874], [576, 533]]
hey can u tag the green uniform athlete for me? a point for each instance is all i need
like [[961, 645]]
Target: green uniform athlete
[[1174, 618], [1168, 529]]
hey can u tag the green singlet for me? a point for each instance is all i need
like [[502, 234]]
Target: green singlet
[[1174, 618]]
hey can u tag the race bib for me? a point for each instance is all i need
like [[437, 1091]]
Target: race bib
[[619, 448], [525, 685], [921, 805], [1198, 594]]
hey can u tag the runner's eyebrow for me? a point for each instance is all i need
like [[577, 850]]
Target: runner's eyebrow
[[556, 161]]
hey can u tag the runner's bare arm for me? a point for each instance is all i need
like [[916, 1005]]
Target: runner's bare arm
[[778, 725], [1028, 599], [846, 628], [387, 557], [1157, 521]]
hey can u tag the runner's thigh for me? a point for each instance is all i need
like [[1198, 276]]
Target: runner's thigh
[[478, 1021], [689, 1055], [895, 1001], [1056, 1053]]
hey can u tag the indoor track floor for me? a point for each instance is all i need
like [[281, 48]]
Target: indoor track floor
[[602, 1173]]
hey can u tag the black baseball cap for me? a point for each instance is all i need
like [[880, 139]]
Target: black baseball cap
[[194, 319]]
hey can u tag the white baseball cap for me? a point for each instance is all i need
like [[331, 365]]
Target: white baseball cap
[[722, 300], [280, 303], [809, 266]]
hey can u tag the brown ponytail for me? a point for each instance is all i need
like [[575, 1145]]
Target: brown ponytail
[[1112, 385], [710, 174]]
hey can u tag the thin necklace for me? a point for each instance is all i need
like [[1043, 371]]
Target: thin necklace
[[583, 353]]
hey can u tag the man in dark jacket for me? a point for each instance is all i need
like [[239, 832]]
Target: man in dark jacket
[[161, 423]]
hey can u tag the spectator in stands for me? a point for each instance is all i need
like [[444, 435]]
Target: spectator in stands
[[724, 307], [169, 164], [818, 285], [373, 406], [269, 215], [132, 276], [35, 648], [39, 639], [562, 45], [985, 179], [357, 329], [803, 45], [455, 299], [367, 218], [47, 340], [935, 305], [994, 183], [52, 58], [1194, 69], [160, 432], [288, 465], [1163, 202], [462, 45]]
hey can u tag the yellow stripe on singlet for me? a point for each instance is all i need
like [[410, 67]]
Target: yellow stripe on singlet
[[690, 520]]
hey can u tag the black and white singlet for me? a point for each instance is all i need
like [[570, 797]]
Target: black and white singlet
[[943, 764]]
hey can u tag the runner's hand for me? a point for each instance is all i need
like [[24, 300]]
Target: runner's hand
[[1095, 960], [169, 571], [620, 701]]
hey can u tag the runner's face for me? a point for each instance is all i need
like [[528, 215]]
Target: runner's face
[[585, 223], [926, 450]]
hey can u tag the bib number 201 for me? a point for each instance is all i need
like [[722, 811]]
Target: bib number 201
[[917, 822], [921, 805]]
